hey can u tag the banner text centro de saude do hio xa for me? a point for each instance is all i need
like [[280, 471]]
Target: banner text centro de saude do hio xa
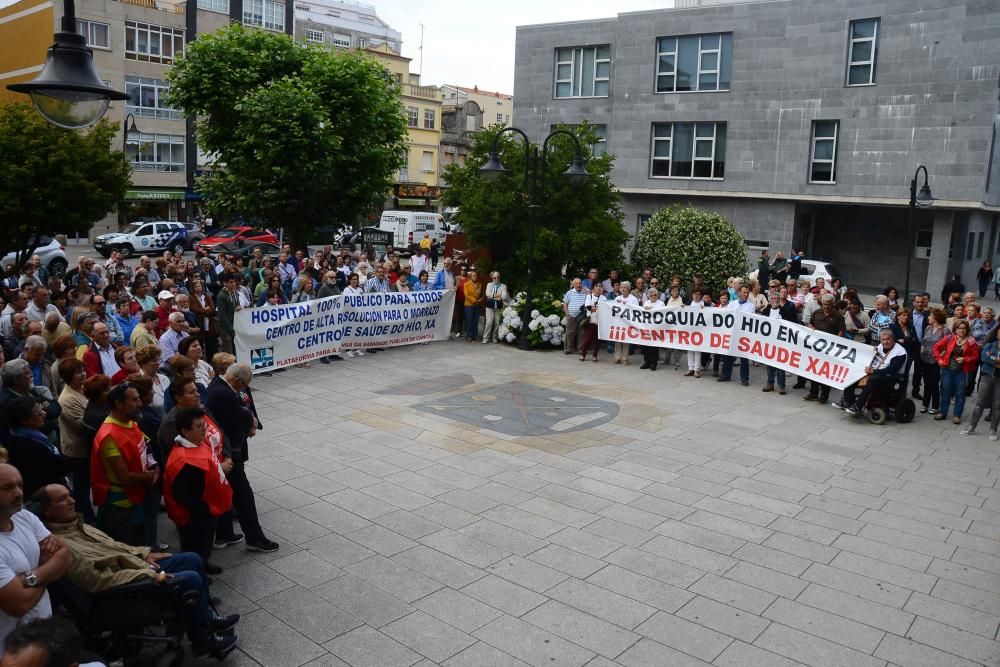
[[272, 337], [793, 348]]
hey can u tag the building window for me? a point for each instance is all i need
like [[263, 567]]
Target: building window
[[146, 98], [970, 246], [97, 34], [823, 162], [156, 152], [862, 52], [412, 117], [600, 145], [429, 117], [427, 162], [641, 220], [695, 63], [343, 41], [221, 6], [153, 43], [689, 150], [499, 117], [506, 118], [362, 42], [314, 36], [583, 71], [267, 14]]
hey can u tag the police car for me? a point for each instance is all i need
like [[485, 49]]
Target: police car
[[144, 237]]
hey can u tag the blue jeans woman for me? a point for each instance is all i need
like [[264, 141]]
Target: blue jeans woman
[[952, 386]]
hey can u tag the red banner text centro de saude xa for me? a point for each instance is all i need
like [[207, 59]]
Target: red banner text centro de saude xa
[[832, 360]]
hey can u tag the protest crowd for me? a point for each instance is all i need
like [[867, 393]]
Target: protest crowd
[[121, 393]]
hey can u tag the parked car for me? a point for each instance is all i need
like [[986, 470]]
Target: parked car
[[245, 249], [194, 234], [234, 234], [141, 237], [813, 269], [51, 252]]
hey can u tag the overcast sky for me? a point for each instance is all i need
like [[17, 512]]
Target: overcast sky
[[471, 42]]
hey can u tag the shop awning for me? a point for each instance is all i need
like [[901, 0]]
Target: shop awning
[[158, 194], [403, 201]]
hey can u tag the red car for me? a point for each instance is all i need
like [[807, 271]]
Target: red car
[[235, 235]]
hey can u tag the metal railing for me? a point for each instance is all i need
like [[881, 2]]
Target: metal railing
[[161, 5], [424, 92]]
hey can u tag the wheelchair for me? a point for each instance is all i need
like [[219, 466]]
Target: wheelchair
[[891, 402], [127, 622]]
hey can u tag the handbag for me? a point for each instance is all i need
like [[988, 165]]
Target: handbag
[[582, 316]]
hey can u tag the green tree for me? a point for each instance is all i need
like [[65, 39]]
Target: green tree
[[576, 226], [302, 136], [54, 180], [686, 240]]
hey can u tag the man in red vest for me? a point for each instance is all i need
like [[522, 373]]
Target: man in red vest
[[122, 470], [195, 489]]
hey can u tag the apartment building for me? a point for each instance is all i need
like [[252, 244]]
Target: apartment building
[[497, 108], [344, 24], [803, 121]]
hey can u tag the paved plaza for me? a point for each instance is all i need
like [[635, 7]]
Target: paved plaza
[[467, 505]]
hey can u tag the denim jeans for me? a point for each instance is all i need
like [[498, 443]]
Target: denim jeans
[[727, 367], [187, 572], [772, 373], [952, 386], [472, 321]]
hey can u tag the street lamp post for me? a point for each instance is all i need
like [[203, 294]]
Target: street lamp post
[[533, 159], [68, 91], [922, 199], [128, 130]]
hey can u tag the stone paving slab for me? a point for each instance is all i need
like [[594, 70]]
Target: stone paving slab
[[467, 505]]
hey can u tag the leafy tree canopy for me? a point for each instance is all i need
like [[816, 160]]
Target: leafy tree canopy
[[576, 226], [54, 180], [302, 136], [685, 241]]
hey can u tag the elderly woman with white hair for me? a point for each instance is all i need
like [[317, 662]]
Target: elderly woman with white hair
[[41, 371], [626, 297]]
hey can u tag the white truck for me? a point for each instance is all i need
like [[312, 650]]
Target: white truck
[[409, 227]]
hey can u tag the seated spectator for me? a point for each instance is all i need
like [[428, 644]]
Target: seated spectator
[[122, 469], [29, 448], [127, 322], [144, 334], [17, 381], [171, 338], [45, 642], [100, 563], [182, 367], [192, 348], [884, 370], [41, 370], [100, 355], [128, 365], [54, 328], [30, 558], [148, 359]]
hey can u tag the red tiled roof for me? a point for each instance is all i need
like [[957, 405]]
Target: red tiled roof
[[488, 93]]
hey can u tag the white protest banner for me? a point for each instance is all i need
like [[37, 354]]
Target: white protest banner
[[793, 348], [272, 337]]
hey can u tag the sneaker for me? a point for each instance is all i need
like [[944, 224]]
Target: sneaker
[[265, 546], [993, 435], [324, 360], [968, 430], [767, 388], [851, 410], [932, 411], [956, 420], [349, 354], [222, 543], [360, 353], [840, 405], [923, 410]]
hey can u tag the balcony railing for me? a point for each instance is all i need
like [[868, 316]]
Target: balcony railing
[[425, 92]]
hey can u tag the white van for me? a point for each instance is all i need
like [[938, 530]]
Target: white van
[[409, 227]]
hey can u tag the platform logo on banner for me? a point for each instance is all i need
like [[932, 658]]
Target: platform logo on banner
[[261, 357]]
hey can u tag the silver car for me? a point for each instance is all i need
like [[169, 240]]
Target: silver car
[[52, 254]]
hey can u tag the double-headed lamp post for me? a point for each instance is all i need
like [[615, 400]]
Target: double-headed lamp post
[[68, 91], [128, 130], [533, 161], [923, 199]]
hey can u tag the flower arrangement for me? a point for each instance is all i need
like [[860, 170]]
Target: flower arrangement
[[546, 327]]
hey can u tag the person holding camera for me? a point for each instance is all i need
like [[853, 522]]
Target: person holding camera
[[496, 298]]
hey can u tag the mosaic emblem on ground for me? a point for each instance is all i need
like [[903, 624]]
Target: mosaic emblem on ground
[[519, 409]]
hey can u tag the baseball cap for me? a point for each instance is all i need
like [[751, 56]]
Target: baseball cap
[[165, 294]]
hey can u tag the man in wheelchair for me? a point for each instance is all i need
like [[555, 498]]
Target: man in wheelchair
[[100, 563], [879, 376]]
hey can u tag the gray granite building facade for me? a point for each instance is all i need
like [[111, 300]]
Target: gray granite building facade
[[803, 121]]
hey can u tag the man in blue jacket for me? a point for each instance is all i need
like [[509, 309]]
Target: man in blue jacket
[[885, 367]]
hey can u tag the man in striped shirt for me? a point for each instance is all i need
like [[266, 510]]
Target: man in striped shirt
[[378, 282], [573, 301]]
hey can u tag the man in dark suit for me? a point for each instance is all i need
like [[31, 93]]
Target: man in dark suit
[[920, 317], [238, 424]]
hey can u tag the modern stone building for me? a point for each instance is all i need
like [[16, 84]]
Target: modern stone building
[[803, 121]]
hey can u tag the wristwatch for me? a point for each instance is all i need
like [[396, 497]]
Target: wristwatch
[[30, 579]]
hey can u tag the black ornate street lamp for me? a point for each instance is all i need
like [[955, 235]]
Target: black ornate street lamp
[[533, 159], [68, 91], [923, 199], [128, 130]]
